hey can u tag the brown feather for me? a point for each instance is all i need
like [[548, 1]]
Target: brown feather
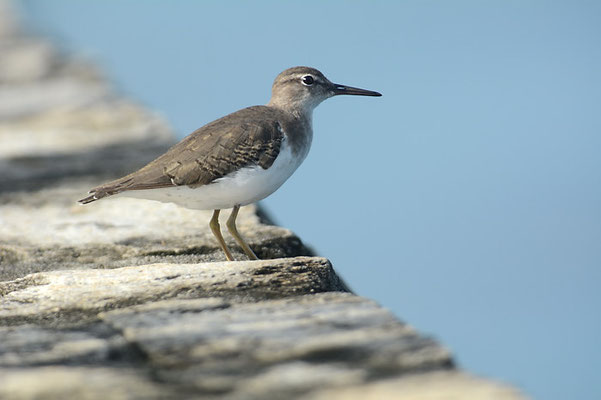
[[251, 136]]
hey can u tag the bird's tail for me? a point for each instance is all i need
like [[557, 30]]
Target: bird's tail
[[108, 189], [89, 199]]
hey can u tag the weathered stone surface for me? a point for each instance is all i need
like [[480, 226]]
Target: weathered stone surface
[[433, 386], [59, 120], [86, 383], [72, 296], [31, 345], [66, 145], [123, 299], [246, 349]]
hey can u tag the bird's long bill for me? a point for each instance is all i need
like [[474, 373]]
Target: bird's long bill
[[342, 89]]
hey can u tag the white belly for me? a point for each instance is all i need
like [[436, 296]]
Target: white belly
[[242, 187]]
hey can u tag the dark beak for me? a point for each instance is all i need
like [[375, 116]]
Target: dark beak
[[341, 89]]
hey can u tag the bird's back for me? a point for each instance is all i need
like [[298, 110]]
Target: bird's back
[[249, 137]]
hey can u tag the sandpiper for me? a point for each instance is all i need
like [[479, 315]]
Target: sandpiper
[[238, 159]]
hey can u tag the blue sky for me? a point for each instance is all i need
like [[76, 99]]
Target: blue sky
[[466, 199]]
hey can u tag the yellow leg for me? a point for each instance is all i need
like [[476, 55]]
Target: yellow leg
[[231, 226], [214, 224]]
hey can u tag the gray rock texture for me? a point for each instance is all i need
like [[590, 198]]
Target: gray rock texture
[[131, 299]]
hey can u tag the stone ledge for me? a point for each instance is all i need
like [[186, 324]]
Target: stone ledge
[[70, 296], [90, 383], [325, 340], [443, 385]]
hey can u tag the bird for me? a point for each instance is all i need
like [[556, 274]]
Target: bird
[[238, 159]]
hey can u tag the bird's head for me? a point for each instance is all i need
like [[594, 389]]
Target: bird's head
[[301, 89]]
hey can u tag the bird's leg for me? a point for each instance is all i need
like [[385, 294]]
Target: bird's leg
[[231, 226], [214, 224]]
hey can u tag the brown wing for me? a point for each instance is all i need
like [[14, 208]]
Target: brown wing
[[245, 138]]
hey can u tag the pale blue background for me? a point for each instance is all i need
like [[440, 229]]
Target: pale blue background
[[467, 199]]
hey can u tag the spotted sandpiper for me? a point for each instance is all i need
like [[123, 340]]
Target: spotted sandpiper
[[238, 159]]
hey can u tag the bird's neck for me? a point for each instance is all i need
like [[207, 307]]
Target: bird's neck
[[299, 132], [297, 106], [301, 111]]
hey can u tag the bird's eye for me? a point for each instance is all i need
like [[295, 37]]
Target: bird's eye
[[307, 80]]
